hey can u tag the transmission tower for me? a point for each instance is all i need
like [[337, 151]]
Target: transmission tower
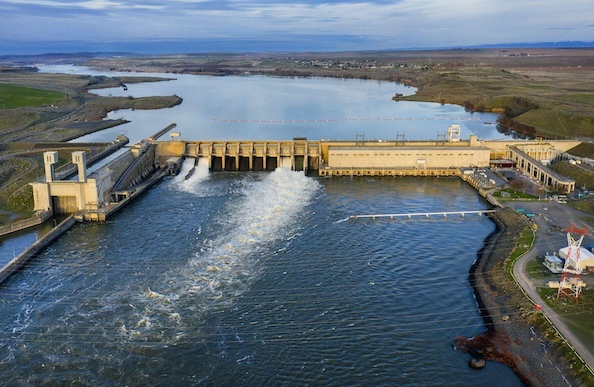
[[441, 138], [571, 284], [360, 139]]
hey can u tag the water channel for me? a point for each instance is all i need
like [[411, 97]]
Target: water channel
[[259, 279]]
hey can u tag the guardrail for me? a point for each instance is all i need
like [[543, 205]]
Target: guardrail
[[19, 261], [22, 224]]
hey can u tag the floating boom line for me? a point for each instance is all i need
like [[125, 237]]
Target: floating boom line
[[425, 214], [342, 120]]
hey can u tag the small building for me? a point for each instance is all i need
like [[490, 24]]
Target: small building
[[553, 263], [586, 257]]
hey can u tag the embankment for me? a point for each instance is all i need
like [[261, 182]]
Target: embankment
[[22, 259], [511, 335]]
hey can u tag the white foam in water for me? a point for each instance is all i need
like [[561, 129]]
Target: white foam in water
[[192, 183], [266, 212]]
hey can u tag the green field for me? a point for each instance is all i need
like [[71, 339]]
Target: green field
[[13, 96], [582, 176]]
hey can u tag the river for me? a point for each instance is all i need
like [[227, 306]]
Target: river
[[255, 279]]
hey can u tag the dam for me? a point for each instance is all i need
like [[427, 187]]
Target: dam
[[97, 195]]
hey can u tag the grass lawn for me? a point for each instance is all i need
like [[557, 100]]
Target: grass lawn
[[579, 316], [513, 194], [537, 270], [13, 96]]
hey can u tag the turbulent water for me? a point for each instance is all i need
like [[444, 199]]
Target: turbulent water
[[254, 279]]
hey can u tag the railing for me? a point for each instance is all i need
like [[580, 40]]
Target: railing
[[35, 220]]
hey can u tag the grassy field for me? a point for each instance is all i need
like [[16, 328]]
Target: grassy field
[[577, 315], [15, 96], [583, 175], [75, 113], [513, 195]]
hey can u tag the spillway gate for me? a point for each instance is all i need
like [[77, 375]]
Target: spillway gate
[[298, 155]]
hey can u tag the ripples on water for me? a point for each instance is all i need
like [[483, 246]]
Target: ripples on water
[[255, 279]]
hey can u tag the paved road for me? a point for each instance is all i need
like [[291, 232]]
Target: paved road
[[553, 218]]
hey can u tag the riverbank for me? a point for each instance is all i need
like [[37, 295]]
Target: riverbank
[[513, 335]]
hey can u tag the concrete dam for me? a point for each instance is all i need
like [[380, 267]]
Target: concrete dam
[[97, 195], [297, 154]]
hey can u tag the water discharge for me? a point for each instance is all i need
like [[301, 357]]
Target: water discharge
[[223, 268]]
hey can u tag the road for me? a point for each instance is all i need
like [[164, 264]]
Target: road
[[553, 218]]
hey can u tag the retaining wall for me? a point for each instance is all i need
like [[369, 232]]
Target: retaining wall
[[21, 260]]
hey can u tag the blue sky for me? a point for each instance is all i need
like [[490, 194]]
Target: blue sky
[[103, 25]]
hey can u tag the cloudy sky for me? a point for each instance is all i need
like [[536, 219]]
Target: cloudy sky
[[289, 24]]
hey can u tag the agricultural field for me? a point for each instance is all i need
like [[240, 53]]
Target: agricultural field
[[15, 96]]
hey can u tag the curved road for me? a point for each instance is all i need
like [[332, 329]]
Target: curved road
[[552, 219]]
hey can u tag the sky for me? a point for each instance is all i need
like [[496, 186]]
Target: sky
[[285, 25]]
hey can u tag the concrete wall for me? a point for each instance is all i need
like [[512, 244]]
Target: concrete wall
[[141, 167], [166, 149], [18, 262], [407, 157], [37, 219], [120, 165]]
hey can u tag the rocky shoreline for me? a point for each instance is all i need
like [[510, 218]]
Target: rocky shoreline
[[510, 336]]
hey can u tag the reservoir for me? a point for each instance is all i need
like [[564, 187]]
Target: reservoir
[[275, 108], [257, 278]]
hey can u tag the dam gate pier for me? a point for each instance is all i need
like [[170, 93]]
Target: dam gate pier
[[98, 195], [297, 154]]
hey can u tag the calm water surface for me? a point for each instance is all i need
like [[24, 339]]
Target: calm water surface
[[277, 108], [256, 279]]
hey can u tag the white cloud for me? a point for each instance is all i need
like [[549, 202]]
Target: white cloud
[[91, 4], [404, 23]]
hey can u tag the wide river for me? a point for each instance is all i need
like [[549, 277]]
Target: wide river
[[259, 278]]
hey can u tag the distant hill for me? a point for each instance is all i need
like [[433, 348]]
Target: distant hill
[[324, 44], [575, 44]]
